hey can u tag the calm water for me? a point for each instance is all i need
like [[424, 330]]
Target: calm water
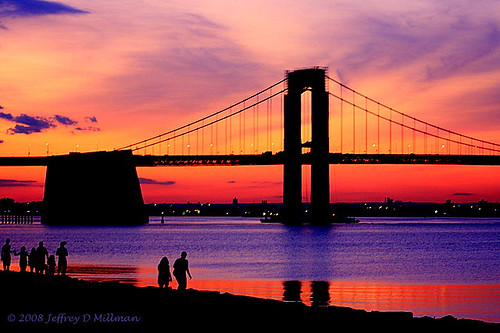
[[430, 267]]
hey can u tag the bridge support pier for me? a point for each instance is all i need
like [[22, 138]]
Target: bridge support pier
[[99, 188], [299, 81], [292, 166]]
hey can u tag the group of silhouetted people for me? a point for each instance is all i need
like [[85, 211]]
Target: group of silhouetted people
[[36, 259], [181, 269], [39, 261]]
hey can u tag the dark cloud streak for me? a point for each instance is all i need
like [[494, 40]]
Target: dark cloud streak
[[26, 8], [65, 120], [26, 124], [18, 183], [148, 181]]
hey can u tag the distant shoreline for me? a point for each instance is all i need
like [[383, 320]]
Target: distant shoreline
[[387, 208], [40, 301]]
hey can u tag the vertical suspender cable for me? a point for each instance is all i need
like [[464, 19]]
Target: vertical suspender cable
[[366, 126], [402, 135], [353, 122], [378, 128], [341, 120], [244, 129], [390, 130], [271, 120]]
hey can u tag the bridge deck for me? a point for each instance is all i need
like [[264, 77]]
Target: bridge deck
[[277, 159]]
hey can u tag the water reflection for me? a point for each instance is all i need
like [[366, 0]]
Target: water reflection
[[320, 292], [122, 273], [292, 291]]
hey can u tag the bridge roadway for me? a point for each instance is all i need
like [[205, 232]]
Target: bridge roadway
[[273, 159]]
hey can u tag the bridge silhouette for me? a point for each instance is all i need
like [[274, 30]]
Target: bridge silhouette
[[307, 118]]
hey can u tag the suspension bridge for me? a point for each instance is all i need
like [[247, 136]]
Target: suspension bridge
[[307, 118]]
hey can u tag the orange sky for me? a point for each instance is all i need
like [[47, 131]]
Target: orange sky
[[80, 76]]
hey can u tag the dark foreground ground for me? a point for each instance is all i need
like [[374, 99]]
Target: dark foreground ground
[[37, 303]]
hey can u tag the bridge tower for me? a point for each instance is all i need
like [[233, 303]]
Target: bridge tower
[[299, 81]]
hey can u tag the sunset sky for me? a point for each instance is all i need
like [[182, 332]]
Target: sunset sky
[[95, 75]]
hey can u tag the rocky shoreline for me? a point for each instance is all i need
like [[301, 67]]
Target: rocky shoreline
[[49, 303]]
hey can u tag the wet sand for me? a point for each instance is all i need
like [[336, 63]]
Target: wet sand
[[39, 303]]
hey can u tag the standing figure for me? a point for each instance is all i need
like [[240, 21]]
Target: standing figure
[[181, 267], [41, 254], [164, 276], [62, 263], [23, 259], [32, 260], [6, 258], [51, 263]]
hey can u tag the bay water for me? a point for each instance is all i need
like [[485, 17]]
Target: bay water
[[429, 266]]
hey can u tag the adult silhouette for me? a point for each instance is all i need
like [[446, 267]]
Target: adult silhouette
[[6, 258], [41, 254], [62, 263], [164, 276], [181, 268]]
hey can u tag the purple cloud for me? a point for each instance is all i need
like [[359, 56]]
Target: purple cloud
[[88, 128], [16, 8], [64, 120], [6, 116], [26, 124]]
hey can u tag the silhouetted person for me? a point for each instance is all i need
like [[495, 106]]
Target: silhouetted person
[[51, 265], [32, 260], [62, 263], [164, 276], [6, 258], [181, 267], [23, 259], [41, 254]]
